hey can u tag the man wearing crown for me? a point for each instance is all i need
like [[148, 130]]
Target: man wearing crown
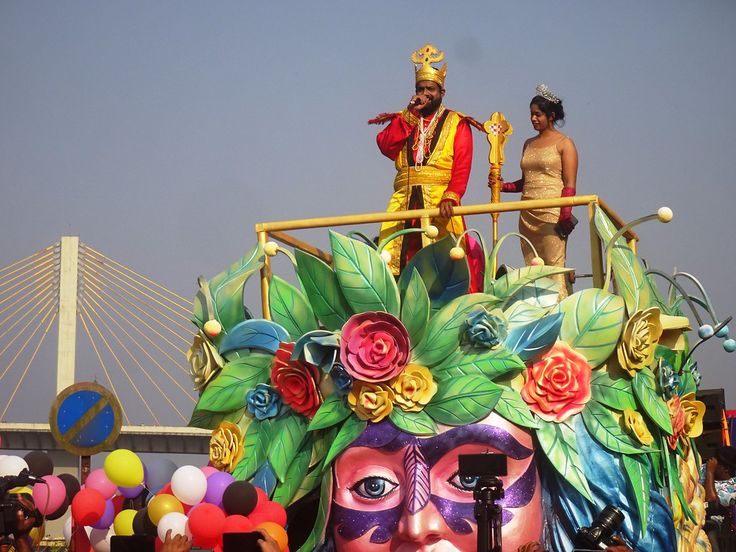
[[432, 148]]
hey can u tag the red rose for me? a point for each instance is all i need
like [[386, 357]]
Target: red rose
[[374, 346], [296, 381], [558, 386]]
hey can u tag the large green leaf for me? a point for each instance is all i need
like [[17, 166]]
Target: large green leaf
[[444, 330], [512, 407], [290, 485], [464, 400], [332, 412], [415, 307], [673, 475], [645, 389], [631, 280], [290, 432], [514, 280], [205, 419], [522, 313], [320, 284], [444, 278], [543, 293], [593, 323], [638, 475], [226, 392], [491, 363], [316, 537], [323, 440], [366, 282], [614, 393], [226, 288], [290, 308], [559, 444], [349, 432], [607, 431], [415, 423], [308, 483], [255, 449]]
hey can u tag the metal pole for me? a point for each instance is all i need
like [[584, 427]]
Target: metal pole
[[68, 277]]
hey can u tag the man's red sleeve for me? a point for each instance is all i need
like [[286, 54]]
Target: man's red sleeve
[[393, 138], [461, 163]]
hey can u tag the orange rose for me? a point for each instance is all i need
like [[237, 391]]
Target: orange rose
[[677, 417]]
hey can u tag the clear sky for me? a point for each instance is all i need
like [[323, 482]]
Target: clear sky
[[160, 132]]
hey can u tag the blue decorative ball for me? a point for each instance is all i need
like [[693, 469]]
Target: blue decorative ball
[[729, 345], [723, 332], [705, 331]]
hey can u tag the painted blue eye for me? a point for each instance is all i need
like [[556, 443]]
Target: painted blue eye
[[374, 487], [464, 483]]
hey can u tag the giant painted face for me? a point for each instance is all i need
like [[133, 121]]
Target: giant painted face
[[394, 491]]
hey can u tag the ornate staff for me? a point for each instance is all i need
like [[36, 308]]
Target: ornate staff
[[497, 129]]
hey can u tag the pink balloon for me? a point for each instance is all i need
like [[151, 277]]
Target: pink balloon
[[98, 481], [208, 470], [49, 498]]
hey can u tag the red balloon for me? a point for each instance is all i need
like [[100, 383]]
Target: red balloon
[[117, 502], [237, 524], [166, 489], [268, 511], [262, 496], [88, 506], [205, 523]]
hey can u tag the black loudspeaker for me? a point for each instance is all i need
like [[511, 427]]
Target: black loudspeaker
[[708, 443], [715, 404], [132, 543]]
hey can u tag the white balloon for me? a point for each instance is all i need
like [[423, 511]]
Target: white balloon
[[177, 522], [67, 530], [189, 485], [12, 465], [100, 539]]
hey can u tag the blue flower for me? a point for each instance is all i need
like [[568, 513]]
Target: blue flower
[[342, 380], [670, 380], [485, 329], [263, 401]]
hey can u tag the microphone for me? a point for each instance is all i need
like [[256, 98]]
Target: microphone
[[415, 101]]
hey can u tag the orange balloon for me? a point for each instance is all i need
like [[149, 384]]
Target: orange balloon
[[277, 533], [161, 505]]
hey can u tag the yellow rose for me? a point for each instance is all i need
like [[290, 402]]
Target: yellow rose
[[371, 401], [639, 340], [414, 388], [226, 447], [204, 361], [694, 412], [636, 426]]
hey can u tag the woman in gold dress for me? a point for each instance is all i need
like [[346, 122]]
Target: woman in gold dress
[[549, 167]]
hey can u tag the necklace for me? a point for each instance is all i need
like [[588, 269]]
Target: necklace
[[424, 138]]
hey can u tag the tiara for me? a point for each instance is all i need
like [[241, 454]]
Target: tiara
[[544, 91]]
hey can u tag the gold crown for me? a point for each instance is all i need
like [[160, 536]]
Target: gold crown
[[425, 56]]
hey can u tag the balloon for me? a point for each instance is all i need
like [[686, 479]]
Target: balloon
[[142, 524], [100, 539], [216, 485], [71, 483], [131, 492], [161, 505], [98, 480], [60, 511], [208, 470], [240, 497], [277, 532], [268, 511], [189, 484], [159, 471], [175, 522], [206, 522], [67, 531], [107, 516], [123, 523], [49, 497], [237, 524], [12, 465], [39, 463], [88, 506], [124, 468]]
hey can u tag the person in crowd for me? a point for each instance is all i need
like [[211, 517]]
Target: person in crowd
[[719, 480], [26, 518], [182, 543]]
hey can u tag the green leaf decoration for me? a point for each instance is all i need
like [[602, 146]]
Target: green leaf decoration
[[308, 483], [227, 288], [638, 475], [593, 323], [255, 449], [534, 339], [290, 308], [607, 431], [364, 278], [542, 293], [415, 423], [491, 363], [316, 537], [444, 279], [444, 330], [657, 469], [464, 400], [349, 432], [226, 392], [631, 281], [673, 475], [320, 284], [287, 489], [513, 408], [205, 419], [323, 440], [645, 390], [415, 307], [291, 431], [511, 282], [614, 393], [559, 444], [521, 313], [332, 412]]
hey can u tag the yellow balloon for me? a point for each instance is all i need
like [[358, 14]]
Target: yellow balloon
[[161, 505], [123, 523], [124, 468], [37, 533]]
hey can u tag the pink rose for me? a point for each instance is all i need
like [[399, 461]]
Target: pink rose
[[557, 386], [374, 346]]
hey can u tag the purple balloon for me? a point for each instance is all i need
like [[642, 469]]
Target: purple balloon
[[107, 517], [131, 492], [216, 485]]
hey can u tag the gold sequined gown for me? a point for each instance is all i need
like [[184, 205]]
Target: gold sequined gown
[[542, 171]]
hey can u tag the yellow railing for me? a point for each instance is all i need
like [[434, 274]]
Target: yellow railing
[[278, 230]]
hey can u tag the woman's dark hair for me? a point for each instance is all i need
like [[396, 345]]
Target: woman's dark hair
[[552, 110]]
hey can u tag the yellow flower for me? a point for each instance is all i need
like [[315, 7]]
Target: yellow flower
[[639, 340], [414, 388], [636, 426], [371, 401], [226, 447], [694, 412], [204, 361]]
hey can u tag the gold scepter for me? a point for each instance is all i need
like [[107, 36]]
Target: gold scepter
[[497, 129]]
